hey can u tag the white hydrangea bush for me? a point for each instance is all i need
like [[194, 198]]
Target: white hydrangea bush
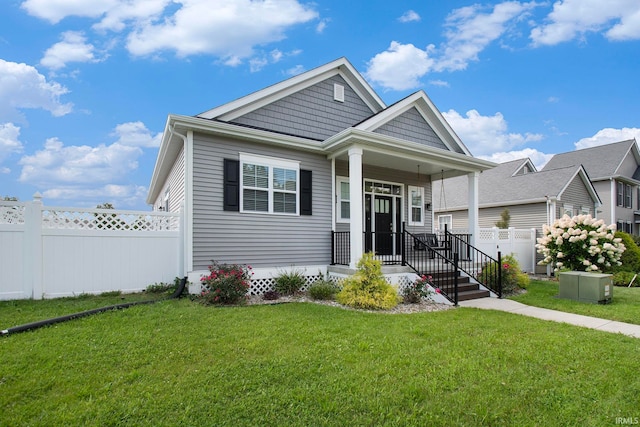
[[580, 243]]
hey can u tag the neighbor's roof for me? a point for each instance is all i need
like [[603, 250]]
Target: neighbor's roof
[[601, 162], [500, 186]]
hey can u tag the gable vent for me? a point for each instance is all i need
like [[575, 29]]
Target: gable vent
[[338, 92]]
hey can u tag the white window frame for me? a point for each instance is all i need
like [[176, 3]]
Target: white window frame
[[449, 222], [270, 163], [586, 210], [166, 200], [628, 196], [411, 189], [567, 210], [339, 198]]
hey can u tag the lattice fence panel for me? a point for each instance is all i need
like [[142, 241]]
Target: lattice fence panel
[[11, 214], [109, 221]]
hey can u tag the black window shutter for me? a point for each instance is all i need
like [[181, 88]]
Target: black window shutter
[[305, 192], [231, 185]]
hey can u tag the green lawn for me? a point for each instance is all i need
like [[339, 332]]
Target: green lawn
[[625, 305], [181, 363]]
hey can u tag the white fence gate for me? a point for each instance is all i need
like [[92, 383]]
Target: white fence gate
[[48, 252], [510, 241]]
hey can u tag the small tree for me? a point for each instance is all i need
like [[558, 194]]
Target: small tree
[[505, 217]]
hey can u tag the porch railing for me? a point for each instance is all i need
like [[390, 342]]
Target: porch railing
[[458, 255], [485, 269]]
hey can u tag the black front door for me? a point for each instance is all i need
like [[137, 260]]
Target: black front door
[[383, 208]]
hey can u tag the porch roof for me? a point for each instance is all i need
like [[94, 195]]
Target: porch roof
[[394, 153]]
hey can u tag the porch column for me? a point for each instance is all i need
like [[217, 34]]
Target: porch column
[[355, 205], [474, 226]]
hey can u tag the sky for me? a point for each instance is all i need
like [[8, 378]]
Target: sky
[[86, 86]]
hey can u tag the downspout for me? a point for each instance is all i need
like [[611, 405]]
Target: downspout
[[186, 211]]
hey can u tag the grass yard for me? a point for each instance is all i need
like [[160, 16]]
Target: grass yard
[[625, 306], [181, 363]]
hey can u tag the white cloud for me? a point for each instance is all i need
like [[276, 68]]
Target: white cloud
[[114, 13], [409, 16], [470, 31], [72, 48], [538, 158], [400, 67], [227, 29], [440, 83], [9, 140], [59, 164], [5, 170], [294, 71], [484, 135], [120, 195], [22, 86], [607, 136], [136, 134], [570, 19], [322, 25]]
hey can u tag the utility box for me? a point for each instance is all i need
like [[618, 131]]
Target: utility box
[[596, 288], [581, 286], [569, 282]]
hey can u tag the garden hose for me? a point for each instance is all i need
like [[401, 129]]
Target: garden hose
[[35, 325]]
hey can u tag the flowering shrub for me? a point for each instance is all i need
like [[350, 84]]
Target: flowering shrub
[[580, 243], [419, 289], [226, 284], [512, 276]]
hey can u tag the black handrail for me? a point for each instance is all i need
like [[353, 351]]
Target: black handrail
[[485, 269]]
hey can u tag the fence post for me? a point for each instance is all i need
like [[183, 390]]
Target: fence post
[[32, 255], [402, 244], [499, 274], [456, 272]]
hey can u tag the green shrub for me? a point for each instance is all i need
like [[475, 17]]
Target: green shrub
[[323, 290], [367, 288], [225, 284], [289, 282], [623, 278], [512, 276], [630, 259]]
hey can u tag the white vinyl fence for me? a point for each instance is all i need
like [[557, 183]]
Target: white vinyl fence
[[48, 252], [521, 243]]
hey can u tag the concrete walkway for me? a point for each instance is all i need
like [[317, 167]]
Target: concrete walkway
[[556, 316]]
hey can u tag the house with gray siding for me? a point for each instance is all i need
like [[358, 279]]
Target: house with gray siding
[[271, 178], [532, 197], [614, 170]]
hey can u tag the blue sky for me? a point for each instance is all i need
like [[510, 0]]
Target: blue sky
[[86, 86]]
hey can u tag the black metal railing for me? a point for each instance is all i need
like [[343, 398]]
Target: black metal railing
[[485, 269]]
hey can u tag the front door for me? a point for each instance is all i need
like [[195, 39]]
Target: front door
[[383, 210]]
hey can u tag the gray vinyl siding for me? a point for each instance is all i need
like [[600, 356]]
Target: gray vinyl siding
[[577, 195], [411, 126], [628, 166], [260, 240], [603, 188], [312, 112], [175, 184], [375, 173], [522, 216]]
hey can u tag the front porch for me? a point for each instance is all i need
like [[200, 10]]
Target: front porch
[[458, 269]]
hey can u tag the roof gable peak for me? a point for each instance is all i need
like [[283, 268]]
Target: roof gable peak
[[255, 100]]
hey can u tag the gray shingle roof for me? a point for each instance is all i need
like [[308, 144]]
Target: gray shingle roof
[[500, 186], [600, 162]]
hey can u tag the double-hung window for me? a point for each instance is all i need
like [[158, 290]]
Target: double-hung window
[[620, 193], [416, 200], [627, 196], [269, 185], [344, 200]]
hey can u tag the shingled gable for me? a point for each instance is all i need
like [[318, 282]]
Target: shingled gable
[[340, 67]]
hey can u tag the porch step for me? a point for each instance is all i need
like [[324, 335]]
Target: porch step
[[466, 289]]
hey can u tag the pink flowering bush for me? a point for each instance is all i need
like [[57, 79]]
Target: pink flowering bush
[[226, 284], [421, 288], [581, 243], [513, 279]]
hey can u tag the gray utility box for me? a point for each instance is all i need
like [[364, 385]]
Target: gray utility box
[[596, 288], [586, 287]]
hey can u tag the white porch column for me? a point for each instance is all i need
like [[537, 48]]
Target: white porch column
[[474, 226], [355, 205]]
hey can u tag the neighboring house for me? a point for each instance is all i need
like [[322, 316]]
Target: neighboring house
[[265, 179], [532, 197], [614, 170]]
